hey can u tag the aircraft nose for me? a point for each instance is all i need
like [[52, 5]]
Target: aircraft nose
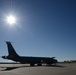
[[56, 61]]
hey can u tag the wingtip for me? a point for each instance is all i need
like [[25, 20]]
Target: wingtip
[[7, 42], [53, 57]]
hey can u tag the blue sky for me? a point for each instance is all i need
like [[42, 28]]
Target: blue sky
[[43, 28]]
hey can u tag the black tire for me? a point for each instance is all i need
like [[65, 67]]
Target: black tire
[[32, 64], [39, 64], [48, 64]]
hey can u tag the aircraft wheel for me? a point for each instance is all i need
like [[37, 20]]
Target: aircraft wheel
[[31, 64], [39, 64], [48, 64]]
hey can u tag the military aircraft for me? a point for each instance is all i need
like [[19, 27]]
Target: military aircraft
[[27, 59]]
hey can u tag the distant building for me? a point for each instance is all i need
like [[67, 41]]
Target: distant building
[[72, 60], [69, 61]]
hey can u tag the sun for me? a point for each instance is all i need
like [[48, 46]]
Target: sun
[[11, 20]]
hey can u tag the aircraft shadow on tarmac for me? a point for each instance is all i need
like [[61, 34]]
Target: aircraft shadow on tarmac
[[12, 68], [8, 68], [56, 66]]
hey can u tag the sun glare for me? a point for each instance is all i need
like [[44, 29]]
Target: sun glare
[[11, 20]]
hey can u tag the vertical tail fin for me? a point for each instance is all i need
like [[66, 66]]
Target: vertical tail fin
[[11, 50]]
